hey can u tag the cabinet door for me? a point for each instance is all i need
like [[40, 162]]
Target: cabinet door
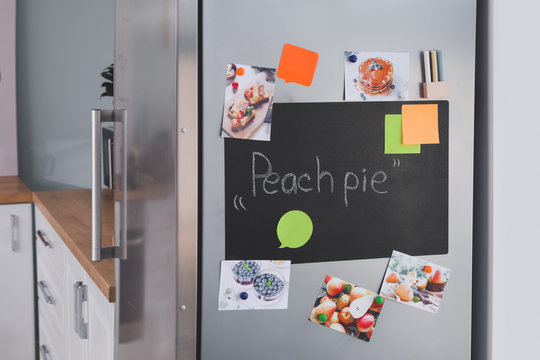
[[76, 310], [16, 282], [100, 324]]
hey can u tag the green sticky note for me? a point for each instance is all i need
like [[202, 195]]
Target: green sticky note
[[392, 137], [294, 229]]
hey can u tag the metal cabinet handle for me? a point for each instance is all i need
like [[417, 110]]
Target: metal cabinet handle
[[80, 296], [12, 224], [43, 239], [44, 352], [45, 291], [98, 252]]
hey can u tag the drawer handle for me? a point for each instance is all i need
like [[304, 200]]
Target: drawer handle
[[44, 352], [43, 239], [45, 291], [80, 295], [13, 224]]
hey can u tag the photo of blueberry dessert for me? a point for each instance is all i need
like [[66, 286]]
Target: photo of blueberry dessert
[[268, 286], [254, 284], [245, 271], [376, 76]]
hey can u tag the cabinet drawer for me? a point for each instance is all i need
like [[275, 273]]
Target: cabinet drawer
[[52, 338], [50, 248], [51, 294]]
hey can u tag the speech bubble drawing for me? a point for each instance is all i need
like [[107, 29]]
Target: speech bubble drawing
[[294, 229], [297, 65]]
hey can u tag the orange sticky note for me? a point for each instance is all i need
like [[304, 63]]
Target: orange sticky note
[[420, 124], [297, 65]]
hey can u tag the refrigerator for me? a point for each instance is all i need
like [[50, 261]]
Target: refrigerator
[[170, 65], [254, 33], [150, 163]]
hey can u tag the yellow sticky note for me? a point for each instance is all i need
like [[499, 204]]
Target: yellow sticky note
[[420, 124]]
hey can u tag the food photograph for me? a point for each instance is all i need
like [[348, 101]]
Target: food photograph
[[376, 76], [254, 284], [346, 308], [415, 282], [247, 110]]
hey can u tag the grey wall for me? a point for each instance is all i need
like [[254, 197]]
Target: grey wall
[[330, 28], [62, 46], [508, 170]]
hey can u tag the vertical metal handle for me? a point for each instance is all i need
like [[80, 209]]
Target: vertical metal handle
[[98, 252], [12, 224], [41, 236], [45, 291], [96, 185], [44, 352], [80, 296]]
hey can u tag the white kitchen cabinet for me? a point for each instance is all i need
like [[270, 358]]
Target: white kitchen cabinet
[[16, 283], [100, 324], [79, 324]]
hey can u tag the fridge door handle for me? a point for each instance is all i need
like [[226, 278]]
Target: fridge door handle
[[80, 296], [98, 251]]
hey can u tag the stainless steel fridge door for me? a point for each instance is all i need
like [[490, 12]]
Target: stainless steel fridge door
[[146, 193], [253, 33]]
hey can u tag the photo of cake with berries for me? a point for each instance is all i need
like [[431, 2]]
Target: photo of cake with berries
[[376, 76]]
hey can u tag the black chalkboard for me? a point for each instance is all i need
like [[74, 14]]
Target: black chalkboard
[[406, 209]]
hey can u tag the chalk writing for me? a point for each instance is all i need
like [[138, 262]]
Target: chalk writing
[[291, 184]]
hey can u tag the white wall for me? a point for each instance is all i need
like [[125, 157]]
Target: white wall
[[511, 151], [8, 128]]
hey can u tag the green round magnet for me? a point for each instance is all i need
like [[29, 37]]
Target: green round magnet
[[379, 300], [322, 318]]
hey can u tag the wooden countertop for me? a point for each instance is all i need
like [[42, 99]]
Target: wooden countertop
[[13, 191], [70, 214]]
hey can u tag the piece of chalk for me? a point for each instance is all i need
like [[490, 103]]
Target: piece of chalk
[[440, 67], [427, 67], [434, 72]]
